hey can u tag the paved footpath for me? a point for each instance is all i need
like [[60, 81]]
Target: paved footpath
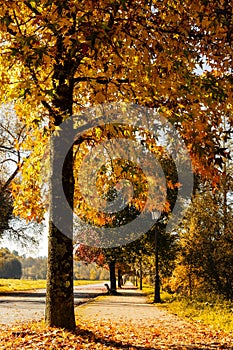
[[123, 321], [127, 321], [30, 305]]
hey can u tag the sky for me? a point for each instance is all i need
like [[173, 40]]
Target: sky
[[32, 230], [29, 250]]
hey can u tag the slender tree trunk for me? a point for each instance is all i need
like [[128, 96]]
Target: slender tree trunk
[[157, 279], [119, 278], [112, 265], [140, 274], [136, 279]]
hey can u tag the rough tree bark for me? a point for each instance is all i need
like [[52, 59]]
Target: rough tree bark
[[59, 296]]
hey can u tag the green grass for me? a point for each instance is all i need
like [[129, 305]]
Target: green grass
[[14, 285], [146, 288], [213, 311]]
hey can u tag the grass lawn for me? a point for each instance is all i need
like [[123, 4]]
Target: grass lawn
[[13, 285], [215, 311], [210, 310]]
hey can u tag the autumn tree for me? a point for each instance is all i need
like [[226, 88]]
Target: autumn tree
[[136, 256], [59, 56], [34, 268], [205, 242], [9, 162], [205, 247], [10, 265], [12, 155]]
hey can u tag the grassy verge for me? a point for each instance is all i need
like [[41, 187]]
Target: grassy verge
[[148, 290], [14, 285], [213, 310]]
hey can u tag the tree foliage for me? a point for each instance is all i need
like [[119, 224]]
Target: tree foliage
[[206, 245], [59, 56], [10, 133], [94, 52], [12, 154]]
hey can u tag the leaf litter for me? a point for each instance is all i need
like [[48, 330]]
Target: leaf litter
[[110, 335]]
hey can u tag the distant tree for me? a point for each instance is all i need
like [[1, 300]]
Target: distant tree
[[104, 275], [86, 271], [10, 266], [93, 274], [34, 268]]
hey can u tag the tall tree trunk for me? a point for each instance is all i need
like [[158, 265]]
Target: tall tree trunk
[[59, 296], [112, 265], [157, 279], [140, 274], [119, 278]]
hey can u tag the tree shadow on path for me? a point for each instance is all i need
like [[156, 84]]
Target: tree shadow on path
[[93, 338]]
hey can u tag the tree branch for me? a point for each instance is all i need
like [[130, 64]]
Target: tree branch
[[100, 80]]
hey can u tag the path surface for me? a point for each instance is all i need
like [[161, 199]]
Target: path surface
[[124, 321], [127, 321], [30, 305]]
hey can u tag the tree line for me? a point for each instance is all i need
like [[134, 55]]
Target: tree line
[[12, 265]]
